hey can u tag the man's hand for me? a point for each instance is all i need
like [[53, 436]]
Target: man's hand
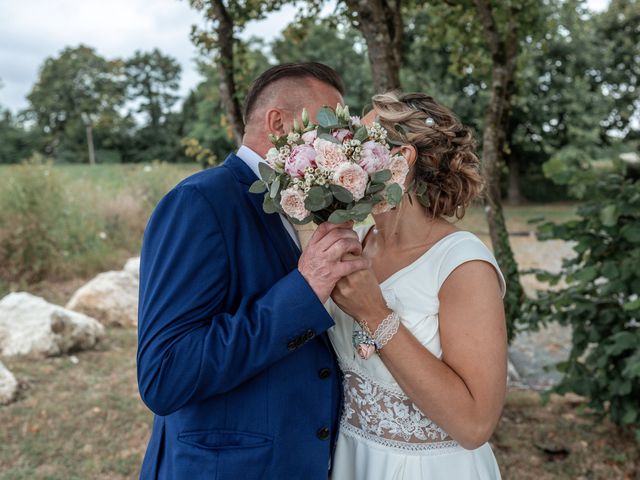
[[321, 262]]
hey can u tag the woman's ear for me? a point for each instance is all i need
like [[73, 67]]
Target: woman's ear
[[410, 154], [275, 123]]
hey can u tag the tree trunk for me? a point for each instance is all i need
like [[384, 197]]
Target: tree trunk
[[504, 56], [380, 22], [514, 197], [225, 61], [92, 154]]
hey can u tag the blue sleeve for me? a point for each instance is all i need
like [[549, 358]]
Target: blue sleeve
[[189, 349]]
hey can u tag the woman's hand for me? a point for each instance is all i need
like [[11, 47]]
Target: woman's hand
[[359, 296]]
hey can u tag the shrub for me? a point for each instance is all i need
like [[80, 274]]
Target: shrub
[[600, 300], [42, 233]]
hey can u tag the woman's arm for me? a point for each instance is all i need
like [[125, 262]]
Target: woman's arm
[[464, 392]]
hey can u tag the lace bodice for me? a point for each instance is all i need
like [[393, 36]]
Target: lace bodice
[[375, 407]]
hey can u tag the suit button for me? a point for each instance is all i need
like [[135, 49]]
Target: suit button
[[324, 373], [323, 433], [309, 334], [292, 345]]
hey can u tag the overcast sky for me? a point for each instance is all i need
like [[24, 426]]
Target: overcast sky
[[32, 30]]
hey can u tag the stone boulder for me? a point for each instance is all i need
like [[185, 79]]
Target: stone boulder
[[8, 386], [30, 325], [133, 266], [111, 298]]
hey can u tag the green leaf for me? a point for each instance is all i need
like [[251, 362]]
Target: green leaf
[[609, 215], [375, 188], [630, 416], [341, 194], [275, 188], [394, 194], [361, 134], [258, 187], [318, 198], [327, 118], [587, 274], [269, 205], [340, 216], [330, 138], [381, 176], [266, 172], [631, 232], [630, 306]]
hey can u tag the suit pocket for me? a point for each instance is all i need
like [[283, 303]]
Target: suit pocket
[[237, 454]]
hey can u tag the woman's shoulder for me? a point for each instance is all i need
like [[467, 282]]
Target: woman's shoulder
[[461, 247]]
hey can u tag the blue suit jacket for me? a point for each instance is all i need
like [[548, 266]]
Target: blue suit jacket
[[233, 357]]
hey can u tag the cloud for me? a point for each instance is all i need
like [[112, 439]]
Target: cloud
[[32, 30]]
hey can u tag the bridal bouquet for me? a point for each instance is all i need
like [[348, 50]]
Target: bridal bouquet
[[336, 171]]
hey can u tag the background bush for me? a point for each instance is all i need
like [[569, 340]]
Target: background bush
[[600, 301]]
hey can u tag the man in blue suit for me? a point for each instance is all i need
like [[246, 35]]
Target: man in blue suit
[[233, 357]]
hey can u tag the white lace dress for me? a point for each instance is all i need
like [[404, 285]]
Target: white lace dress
[[383, 435]]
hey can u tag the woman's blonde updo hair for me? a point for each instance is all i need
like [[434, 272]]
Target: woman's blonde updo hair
[[447, 171]]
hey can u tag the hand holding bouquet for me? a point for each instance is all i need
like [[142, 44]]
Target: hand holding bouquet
[[336, 171]]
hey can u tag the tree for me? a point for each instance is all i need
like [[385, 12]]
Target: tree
[[79, 90], [218, 39], [334, 43], [381, 24], [204, 116], [153, 79]]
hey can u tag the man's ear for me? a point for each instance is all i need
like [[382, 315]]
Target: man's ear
[[275, 123]]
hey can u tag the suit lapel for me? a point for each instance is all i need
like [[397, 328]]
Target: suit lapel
[[272, 223], [287, 250]]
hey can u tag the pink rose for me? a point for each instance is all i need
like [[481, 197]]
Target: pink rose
[[292, 202], [301, 157], [365, 350], [309, 137], [353, 178], [374, 157], [399, 170], [342, 134], [329, 154]]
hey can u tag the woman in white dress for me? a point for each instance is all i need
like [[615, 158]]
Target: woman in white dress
[[424, 405]]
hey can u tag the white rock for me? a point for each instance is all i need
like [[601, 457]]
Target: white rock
[[29, 325], [133, 266], [8, 386], [111, 298]]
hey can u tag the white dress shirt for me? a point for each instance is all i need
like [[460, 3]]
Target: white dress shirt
[[252, 159]]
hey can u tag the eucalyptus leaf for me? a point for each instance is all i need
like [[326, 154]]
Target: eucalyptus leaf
[[258, 187], [341, 194], [375, 188], [275, 188], [318, 198], [361, 134], [266, 172], [394, 194], [326, 117], [269, 205], [381, 176], [329, 138], [339, 216]]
